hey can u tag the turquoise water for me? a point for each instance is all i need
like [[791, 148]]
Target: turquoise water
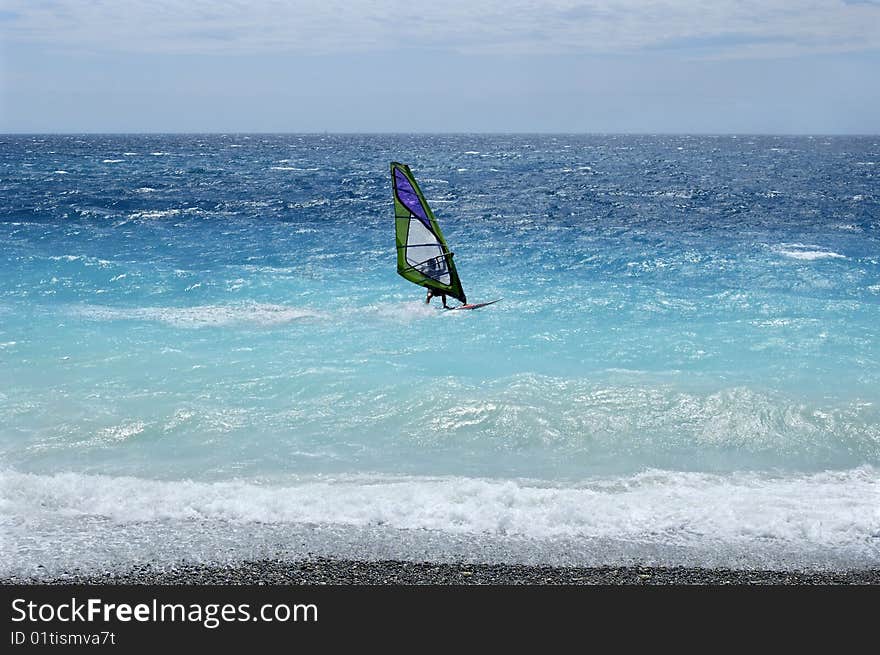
[[206, 352]]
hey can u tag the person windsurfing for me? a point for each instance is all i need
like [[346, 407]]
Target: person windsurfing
[[433, 293]]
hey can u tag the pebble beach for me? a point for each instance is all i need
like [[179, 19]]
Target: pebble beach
[[323, 571]]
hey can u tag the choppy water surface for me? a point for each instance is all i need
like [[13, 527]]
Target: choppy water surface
[[206, 352]]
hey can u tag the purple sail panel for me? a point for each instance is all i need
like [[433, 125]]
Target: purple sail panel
[[409, 198]]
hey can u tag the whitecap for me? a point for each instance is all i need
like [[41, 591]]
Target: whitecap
[[88, 261], [260, 314], [154, 214], [806, 252]]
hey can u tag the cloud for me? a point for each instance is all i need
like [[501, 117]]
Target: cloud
[[507, 27]]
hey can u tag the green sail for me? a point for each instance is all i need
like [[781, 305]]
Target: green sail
[[422, 254]]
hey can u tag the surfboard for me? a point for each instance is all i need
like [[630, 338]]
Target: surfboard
[[475, 305]]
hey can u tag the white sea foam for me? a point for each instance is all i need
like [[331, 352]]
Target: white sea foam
[[811, 255], [157, 214], [402, 311], [805, 252], [307, 204], [261, 314], [154, 214], [88, 261], [830, 514], [111, 161], [784, 322]]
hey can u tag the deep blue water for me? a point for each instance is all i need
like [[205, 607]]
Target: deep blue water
[[204, 342]]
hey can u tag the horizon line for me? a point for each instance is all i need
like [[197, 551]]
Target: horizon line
[[435, 133]]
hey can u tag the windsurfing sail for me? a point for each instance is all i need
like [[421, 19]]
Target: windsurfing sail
[[422, 254]]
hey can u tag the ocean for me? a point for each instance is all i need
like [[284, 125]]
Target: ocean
[[206, 353]]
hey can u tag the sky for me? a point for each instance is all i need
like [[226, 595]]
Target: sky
[[590, 66]]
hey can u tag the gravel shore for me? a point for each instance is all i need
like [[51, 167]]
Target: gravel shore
[[322, 571]]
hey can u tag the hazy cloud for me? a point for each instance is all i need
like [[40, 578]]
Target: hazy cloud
[[712, 28]]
